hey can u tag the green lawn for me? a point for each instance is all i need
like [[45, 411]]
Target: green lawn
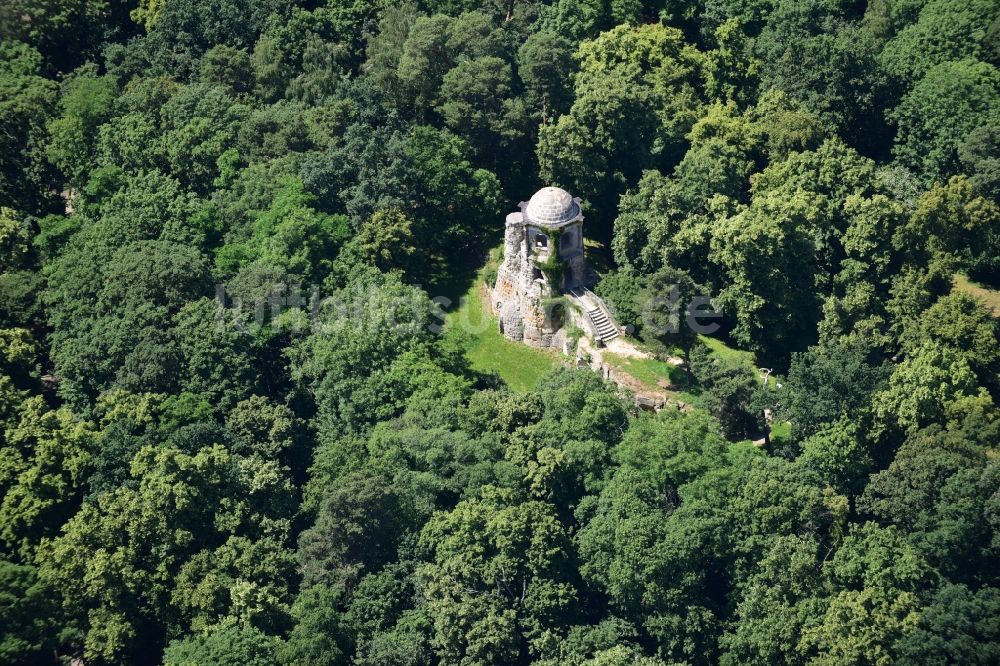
[[721, 350], [521, 366], [649, 371], [518, 365], [990, 297], [781, 432]]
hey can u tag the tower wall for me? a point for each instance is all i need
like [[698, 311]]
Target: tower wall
[[521, 290], [518, 293], [510, 275]]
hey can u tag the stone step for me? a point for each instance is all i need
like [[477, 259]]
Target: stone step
[[605, 329], [604, 326]]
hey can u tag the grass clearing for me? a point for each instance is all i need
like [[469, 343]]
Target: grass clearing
[[648, 371], [488, 350], [720, 349], [781, 432], [521, 366], [990, 297], [653, 373], [598, 256]]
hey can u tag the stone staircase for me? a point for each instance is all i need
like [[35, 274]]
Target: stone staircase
[[604, 326], [605, 329]]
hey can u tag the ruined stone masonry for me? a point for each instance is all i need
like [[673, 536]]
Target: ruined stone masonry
[[542, 285], [543, 259]]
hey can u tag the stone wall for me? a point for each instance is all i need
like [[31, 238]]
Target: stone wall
[[519, 294]]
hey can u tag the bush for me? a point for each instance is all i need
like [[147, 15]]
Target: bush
[[621, 290]]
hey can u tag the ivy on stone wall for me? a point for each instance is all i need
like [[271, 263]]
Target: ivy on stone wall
[[553, 267]]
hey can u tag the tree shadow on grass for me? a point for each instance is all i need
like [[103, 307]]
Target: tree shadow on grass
[[451, 285]]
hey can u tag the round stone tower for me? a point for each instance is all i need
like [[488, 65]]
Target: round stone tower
[[543, 257], [554, 224]]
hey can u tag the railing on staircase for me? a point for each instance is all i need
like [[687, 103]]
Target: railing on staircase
[[604, 324]]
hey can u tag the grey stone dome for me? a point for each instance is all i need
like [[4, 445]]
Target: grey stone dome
[[552, 205]]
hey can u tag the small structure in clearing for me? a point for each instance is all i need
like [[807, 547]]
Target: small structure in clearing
[[542, 284]]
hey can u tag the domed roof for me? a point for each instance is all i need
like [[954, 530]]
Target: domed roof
[[551, 205]]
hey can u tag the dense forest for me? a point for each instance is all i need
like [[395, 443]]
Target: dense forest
[[233, 430]]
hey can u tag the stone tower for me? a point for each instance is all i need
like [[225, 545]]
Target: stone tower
[[543, 257]]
